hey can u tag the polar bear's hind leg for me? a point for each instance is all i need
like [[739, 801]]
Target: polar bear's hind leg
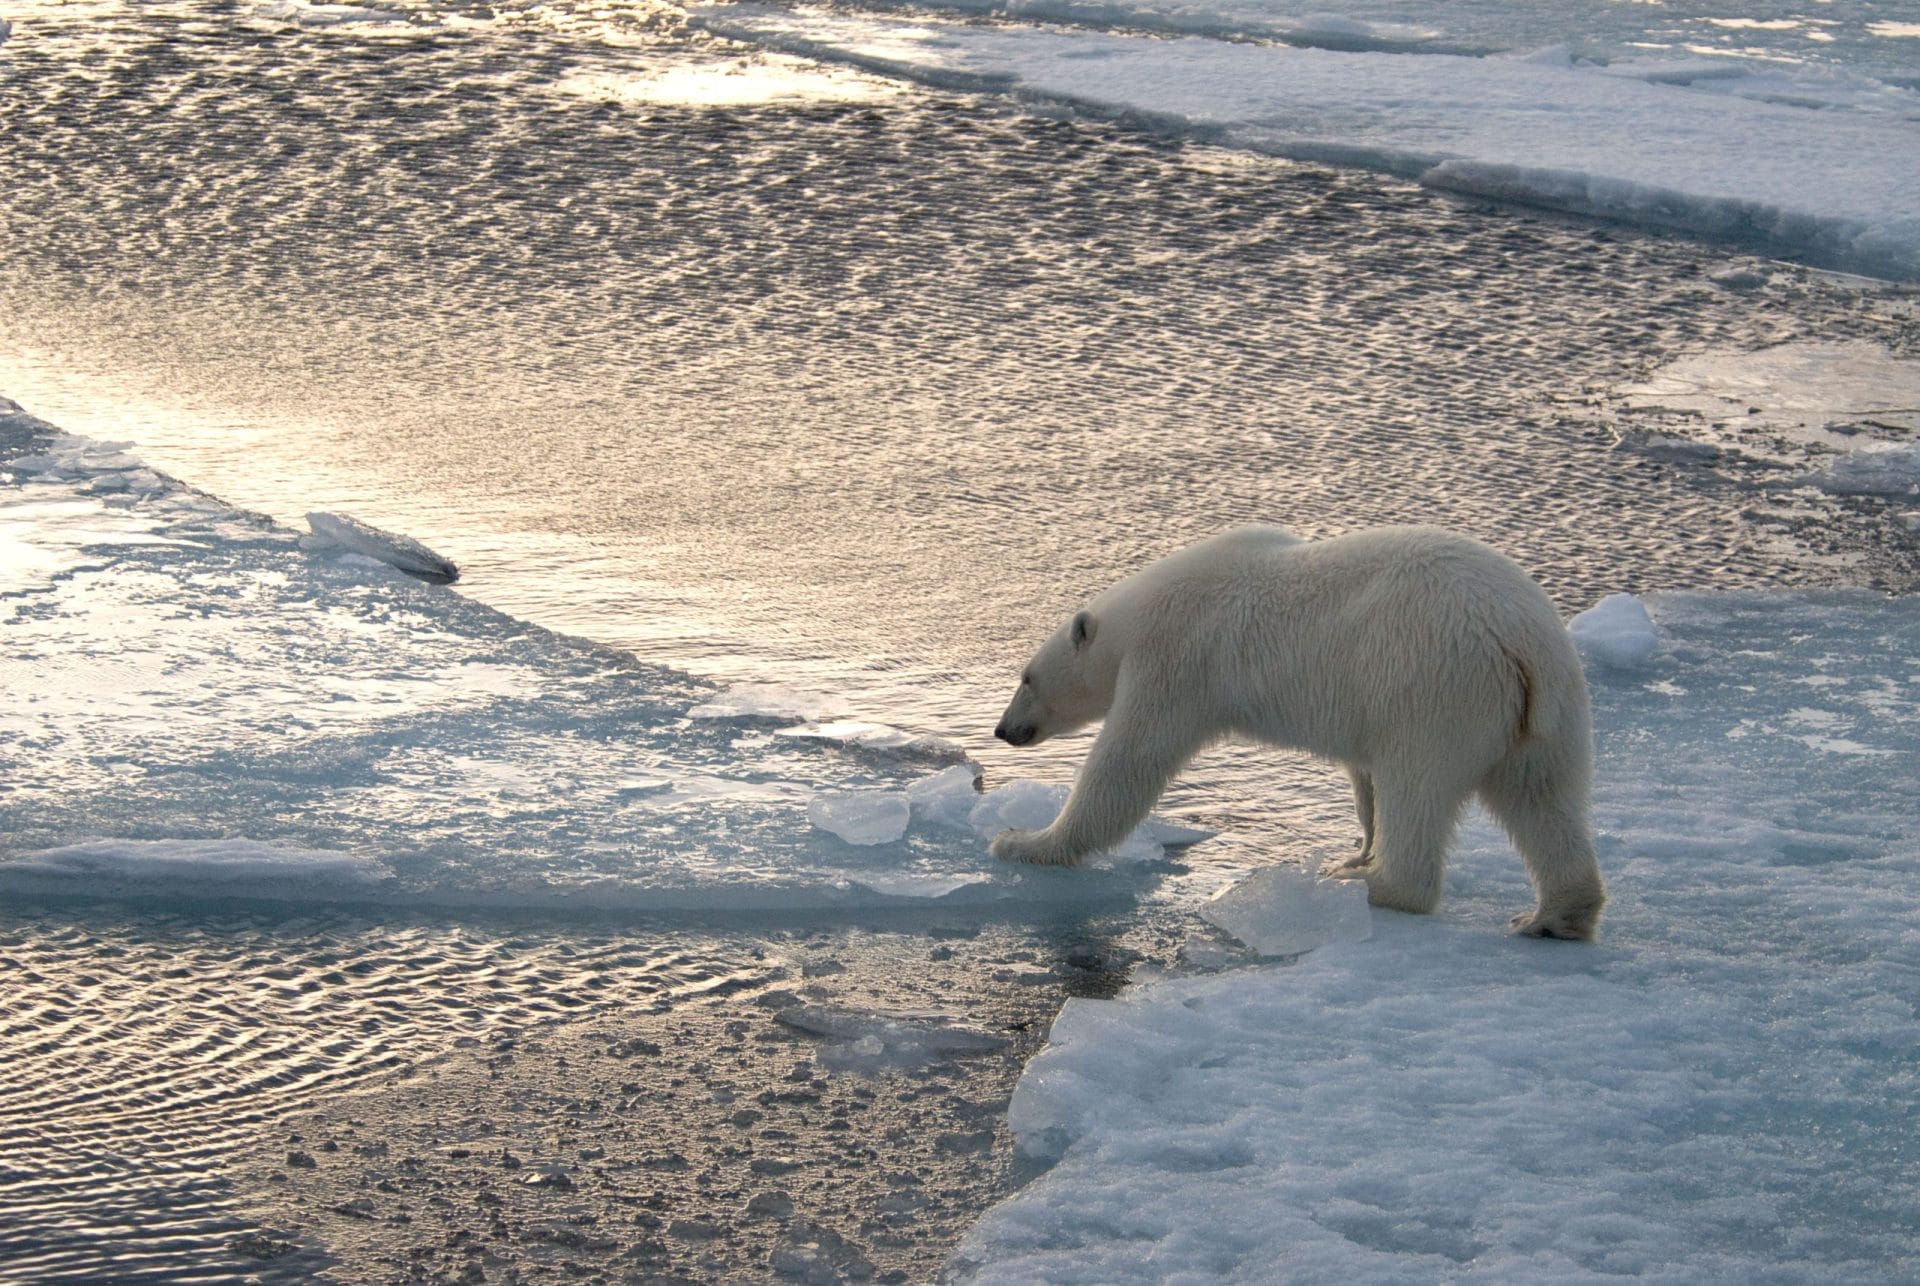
[[1542, 805]]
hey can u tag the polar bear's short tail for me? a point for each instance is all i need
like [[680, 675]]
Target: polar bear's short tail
[[1527, 685]]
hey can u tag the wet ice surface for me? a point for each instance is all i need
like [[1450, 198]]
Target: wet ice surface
[[208, 715], [1722, 1089], [200, 700]]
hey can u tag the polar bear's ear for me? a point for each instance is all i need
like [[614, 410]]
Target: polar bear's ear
[[1082, 629]]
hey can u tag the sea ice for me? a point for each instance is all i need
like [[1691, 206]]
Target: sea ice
[[948, 796], [1717, 147], [1032, 805], [227, 864], [863, 816], [1616, 632], [179, 669], [1870, 471], [1284, 911]]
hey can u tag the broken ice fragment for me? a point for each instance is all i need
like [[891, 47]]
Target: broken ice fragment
[[1283, 911], [1616, 632], [403, 552], [862, 817]]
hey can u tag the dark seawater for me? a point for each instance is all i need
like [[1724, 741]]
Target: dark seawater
[[859, 390]]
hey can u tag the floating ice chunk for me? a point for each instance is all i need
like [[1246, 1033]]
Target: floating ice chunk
[[304, 13], [1616, 632], [947, 797], [769, 701], [1172, 834], [1201, 951], [1030, 805], [196, 861], [860, 735], [1024, 804], [898, 1036], [1283, 911], [863, 816], [1870, 471], [403, 552]]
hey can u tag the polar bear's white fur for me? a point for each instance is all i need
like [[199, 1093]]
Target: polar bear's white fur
[[1427, 664]]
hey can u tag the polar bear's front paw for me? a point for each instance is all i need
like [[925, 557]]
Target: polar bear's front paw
[[1029, 847]]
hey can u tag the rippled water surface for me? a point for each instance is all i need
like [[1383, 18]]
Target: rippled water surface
[[214, 1094]]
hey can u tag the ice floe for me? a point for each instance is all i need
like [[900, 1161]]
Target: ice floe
[[1721, 1089]]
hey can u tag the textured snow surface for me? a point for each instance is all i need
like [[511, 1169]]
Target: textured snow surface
[[1723, 1089]]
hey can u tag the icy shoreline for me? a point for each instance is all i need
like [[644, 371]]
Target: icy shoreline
[[1784, 161]]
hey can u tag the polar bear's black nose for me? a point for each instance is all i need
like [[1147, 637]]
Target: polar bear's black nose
[[1019, 736]]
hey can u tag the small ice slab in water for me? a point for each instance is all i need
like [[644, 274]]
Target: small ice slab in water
[[868, 1040], [1616, 632], [1283, 911], [403, 552], [769, 701], [1032, 805], [861, 735], [863, 816], [948, 796]]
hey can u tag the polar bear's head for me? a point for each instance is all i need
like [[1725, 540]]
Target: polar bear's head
[[1063, 689]]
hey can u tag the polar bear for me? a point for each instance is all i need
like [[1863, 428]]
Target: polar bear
[[1427, 664]]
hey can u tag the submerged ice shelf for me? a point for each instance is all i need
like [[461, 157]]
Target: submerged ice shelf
[[204, 704]]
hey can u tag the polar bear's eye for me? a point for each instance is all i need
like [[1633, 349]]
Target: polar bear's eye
[[1026, 680]]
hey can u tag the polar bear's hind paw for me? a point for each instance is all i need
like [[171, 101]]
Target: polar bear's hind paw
[[1356, 867]]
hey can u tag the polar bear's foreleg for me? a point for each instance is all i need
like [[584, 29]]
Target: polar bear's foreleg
[[1136, 754]]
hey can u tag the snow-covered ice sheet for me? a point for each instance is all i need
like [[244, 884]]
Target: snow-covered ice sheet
[[1725, 1088], [1793, 160], [200, 703]]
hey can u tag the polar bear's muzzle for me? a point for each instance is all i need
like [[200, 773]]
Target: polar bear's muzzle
[[1015, 734]]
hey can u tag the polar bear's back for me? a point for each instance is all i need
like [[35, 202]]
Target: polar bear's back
[[1320, 644]]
